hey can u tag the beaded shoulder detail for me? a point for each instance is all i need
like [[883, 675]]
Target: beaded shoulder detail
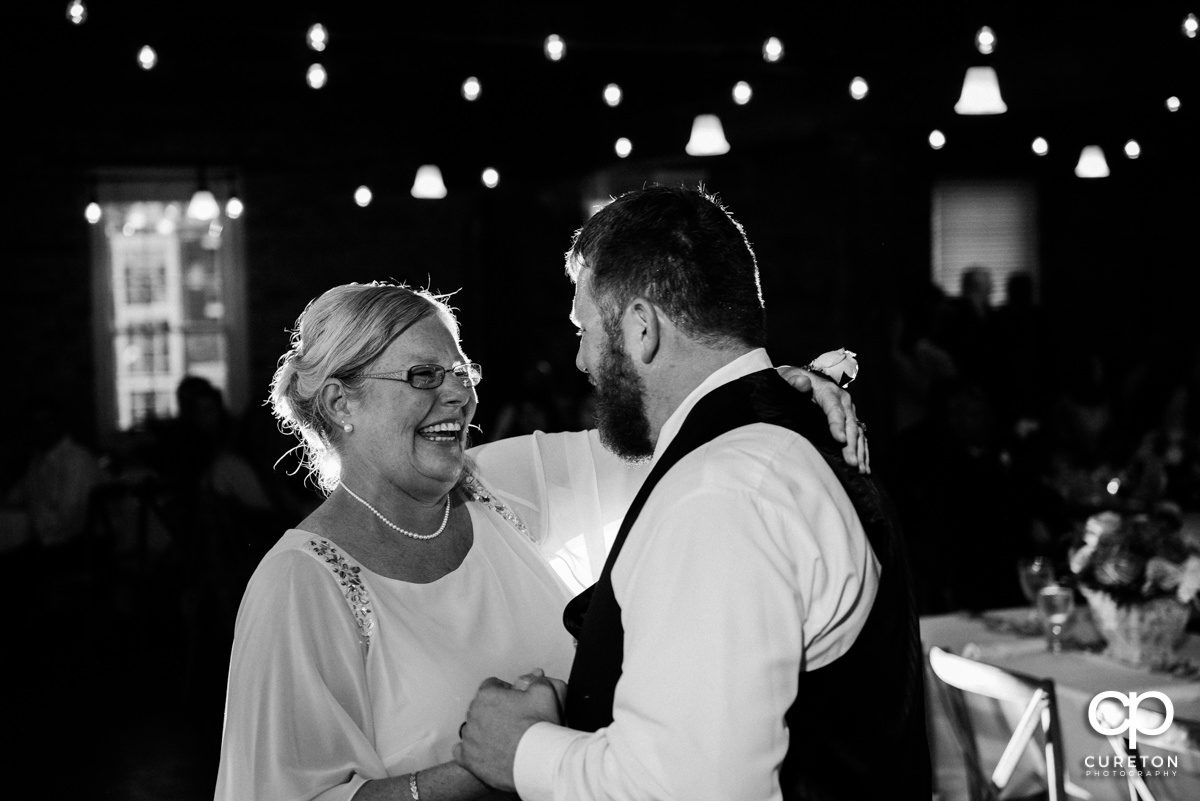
[[353, 588], [477, 492]]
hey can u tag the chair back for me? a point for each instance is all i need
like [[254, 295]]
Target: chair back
[[1035, 697], [1176, 737]]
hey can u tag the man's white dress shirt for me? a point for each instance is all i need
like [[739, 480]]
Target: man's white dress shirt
[[747, 565]]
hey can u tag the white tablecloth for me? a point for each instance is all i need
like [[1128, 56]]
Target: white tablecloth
[[1078, 676]]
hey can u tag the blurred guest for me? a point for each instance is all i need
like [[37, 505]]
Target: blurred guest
[[967, 507], [1019, 333], [1082, 457], [920, 366], [48, 507], [966, 330], [535, 405], [200, 447]]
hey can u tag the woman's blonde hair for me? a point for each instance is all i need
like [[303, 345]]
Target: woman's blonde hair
[[337, 336]]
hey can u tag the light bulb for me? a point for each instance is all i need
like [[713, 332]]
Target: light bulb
[[147, 58], [428, 183], [318, 37], [858, 88], [316, 76], [772, 50], [742, 93], [554, 47], [985, 40], [92, 213], [1190, 25], [203, 206], [76, 12], [613, 95], [490, 178], [623, 147], [1133, 149], [1172, 103], [234, 208], [362, 196], [937, 139], [708, 137], [1040, 146], [1092, 163], [471, 89]]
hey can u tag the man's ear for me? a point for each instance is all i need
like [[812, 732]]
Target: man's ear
[[643, 330]]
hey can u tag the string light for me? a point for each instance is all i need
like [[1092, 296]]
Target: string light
[[147, 58], [613, 95], [772, 50], [1172, 103], [980, 93], [428, 183], [623, 147], [234, 208], [471, 89], [985, 40], [1092, 163], [1133, 149], [490, 178], [363, 196], [1189, 26], [92, 213], [318, 37], [554, 47], [708, 137], [937, 139], [1040, 146], [858, 88], [316, 76], [742, 93], [76, 13]]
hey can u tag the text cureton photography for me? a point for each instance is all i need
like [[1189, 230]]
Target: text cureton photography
[[1114, 714]]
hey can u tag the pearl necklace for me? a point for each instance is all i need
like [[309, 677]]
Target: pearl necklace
[[404, 531]]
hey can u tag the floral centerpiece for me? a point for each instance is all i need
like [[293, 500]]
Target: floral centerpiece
[[1140, 573]]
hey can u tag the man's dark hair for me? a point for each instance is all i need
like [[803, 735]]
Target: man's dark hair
[[680, 248]]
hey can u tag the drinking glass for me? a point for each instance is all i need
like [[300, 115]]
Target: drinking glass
[[1034, 574], [1055, 603]]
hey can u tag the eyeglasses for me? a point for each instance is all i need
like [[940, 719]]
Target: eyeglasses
[[431, 376]]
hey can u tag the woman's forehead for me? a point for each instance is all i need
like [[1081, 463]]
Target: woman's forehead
[[429, 340]]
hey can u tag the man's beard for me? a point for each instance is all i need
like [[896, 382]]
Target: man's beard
[[621, 405]]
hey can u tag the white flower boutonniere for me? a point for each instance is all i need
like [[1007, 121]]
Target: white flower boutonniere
[[839, 366]]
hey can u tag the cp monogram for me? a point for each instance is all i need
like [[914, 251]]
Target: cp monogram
[[1101, 722]]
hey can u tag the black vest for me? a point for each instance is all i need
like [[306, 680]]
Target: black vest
[[857, 726]]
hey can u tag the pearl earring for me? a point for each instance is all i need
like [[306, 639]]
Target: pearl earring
[[347, 427]]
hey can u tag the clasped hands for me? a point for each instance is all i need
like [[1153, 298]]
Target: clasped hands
[[498, 716]]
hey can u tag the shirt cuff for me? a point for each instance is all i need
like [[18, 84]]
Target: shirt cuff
[[538, 756]]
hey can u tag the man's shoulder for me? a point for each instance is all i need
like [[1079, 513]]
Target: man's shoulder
[[752, 457]]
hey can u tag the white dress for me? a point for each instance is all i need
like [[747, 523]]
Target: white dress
[[339, 675]]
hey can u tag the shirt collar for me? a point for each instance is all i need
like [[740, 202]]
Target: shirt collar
[[747, 363]]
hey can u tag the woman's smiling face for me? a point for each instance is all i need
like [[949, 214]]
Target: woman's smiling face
[[414, 439]]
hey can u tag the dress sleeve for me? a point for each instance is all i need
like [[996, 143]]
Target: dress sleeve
[[569, 489], [298, 721]]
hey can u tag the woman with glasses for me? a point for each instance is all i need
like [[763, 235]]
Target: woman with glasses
[[365, 631]]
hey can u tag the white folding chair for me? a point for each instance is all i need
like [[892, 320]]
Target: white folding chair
[[1181, 738], [958, 675]]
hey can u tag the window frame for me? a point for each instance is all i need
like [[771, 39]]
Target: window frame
[[165, 185]]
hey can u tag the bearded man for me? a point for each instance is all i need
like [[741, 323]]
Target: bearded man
[[752, 635]]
